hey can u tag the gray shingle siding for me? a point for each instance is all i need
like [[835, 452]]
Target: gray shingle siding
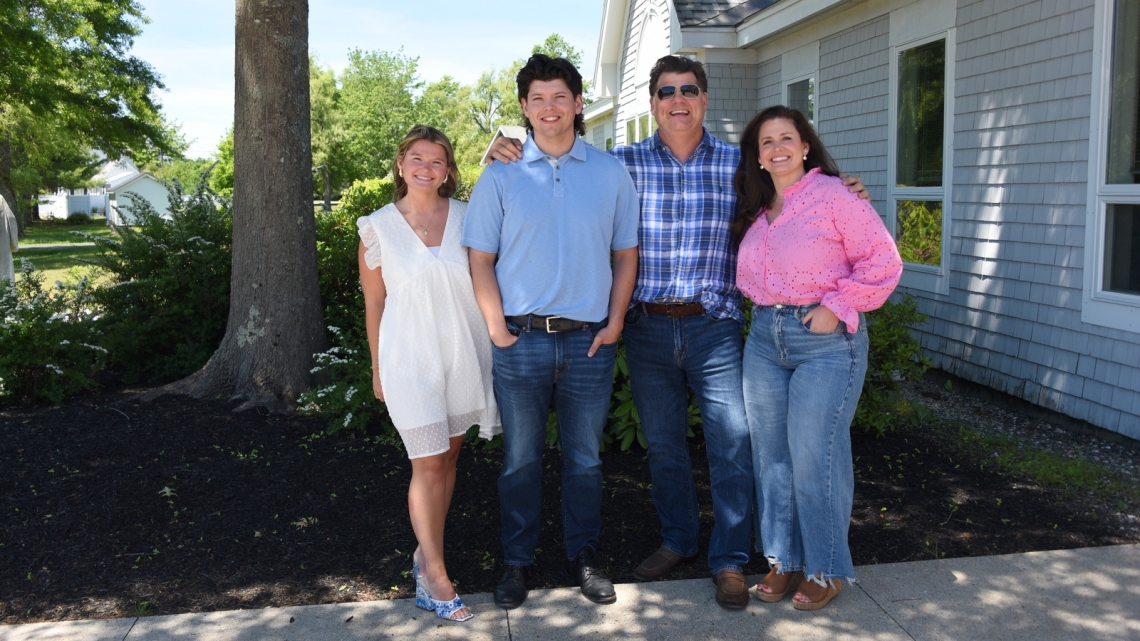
[[1020, 181], [851, 107], [771, 86], [733, 97]]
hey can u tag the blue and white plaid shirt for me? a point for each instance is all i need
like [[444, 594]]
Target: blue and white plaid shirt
[[684, 250]]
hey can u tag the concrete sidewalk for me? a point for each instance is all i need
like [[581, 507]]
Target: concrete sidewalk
[[1086, 594]]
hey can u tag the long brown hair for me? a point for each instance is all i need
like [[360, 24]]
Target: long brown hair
[[754, 187], [430, 134]]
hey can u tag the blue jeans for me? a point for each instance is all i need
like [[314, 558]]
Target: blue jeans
[[800, 390], [666, 356], [528, 376]]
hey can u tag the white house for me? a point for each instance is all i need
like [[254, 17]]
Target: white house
[[116, 178], [999, 141]]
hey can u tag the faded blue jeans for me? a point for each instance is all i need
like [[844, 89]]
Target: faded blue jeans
[[800, 391], [666, 356], [538, 369]]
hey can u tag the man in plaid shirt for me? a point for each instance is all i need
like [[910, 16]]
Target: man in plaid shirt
[[683, 328]]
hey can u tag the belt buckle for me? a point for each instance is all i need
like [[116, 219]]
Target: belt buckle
[[548, 319]]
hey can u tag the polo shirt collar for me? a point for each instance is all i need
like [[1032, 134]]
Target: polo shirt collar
[[531, 152]]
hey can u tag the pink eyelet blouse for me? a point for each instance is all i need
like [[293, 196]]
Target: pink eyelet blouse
[[827, 246]]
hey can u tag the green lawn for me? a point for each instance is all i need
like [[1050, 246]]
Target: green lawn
[[54, 263], [55, 233]]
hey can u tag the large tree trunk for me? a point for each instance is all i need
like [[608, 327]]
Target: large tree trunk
[[275, 323]]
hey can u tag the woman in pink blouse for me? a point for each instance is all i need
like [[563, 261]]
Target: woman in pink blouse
[[813, 258]]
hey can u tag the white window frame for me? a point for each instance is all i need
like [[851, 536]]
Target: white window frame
[[814, 78], [1099, 307], [923, 277]]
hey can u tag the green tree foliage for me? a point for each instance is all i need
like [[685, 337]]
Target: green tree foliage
[[222, 177], [556, 46], [327, 130], [377, 99], [187, 172], [67, 69]]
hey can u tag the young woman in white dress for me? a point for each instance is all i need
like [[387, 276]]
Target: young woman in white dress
[[431, 355]]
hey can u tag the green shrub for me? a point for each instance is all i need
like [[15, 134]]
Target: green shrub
[[895, 355], [167, 304], [78, 218], [347, 399], [366, 196], [468, 176], [338, 271], [46, 344]]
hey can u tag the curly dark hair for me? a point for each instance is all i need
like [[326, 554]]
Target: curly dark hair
[[755, 190], [544, 68]]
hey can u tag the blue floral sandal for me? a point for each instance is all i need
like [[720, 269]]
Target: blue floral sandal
[[444, 609]]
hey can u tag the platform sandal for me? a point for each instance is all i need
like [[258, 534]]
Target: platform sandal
[[823, 593], [444, 609]]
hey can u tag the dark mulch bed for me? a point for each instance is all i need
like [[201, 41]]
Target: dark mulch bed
[[183, 506]]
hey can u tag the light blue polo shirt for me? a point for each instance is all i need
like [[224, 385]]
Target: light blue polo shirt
[[553, 222]]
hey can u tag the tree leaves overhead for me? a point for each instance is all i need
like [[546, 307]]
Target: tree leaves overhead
[[70, 59], [377, 99], [69, 85], [359, 117]]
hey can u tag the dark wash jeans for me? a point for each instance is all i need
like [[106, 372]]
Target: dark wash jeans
[[666, 356], [528, 375]]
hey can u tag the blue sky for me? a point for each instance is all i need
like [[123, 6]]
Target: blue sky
[[191, 44]]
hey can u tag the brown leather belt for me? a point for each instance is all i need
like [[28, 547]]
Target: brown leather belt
[[674, 310]]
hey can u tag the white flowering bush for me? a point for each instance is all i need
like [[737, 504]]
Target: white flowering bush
[[47, 344], [345, 396]]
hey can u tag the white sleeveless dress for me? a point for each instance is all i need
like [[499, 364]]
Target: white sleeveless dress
[[434, 351]]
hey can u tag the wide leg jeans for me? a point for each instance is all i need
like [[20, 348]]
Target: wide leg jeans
[[801, 389]]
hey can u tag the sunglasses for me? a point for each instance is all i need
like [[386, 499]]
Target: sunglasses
[[688, 91]]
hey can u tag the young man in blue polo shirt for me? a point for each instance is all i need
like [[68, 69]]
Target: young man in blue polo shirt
[[541, 233]]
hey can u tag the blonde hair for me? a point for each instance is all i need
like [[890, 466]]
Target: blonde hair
[[433, 135]]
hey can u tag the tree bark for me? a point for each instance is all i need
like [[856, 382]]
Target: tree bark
[[275, 322]]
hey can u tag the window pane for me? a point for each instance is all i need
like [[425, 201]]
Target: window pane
[[801, 95], [922, 92], [643, 127], [1122, 249], [609, 144], [630, 132], [920, 231], [1124, 114]]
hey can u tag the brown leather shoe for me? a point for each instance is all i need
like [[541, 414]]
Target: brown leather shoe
[[658, 564], [731, 590]]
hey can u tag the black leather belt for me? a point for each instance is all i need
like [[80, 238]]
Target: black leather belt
[[549, 324]]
